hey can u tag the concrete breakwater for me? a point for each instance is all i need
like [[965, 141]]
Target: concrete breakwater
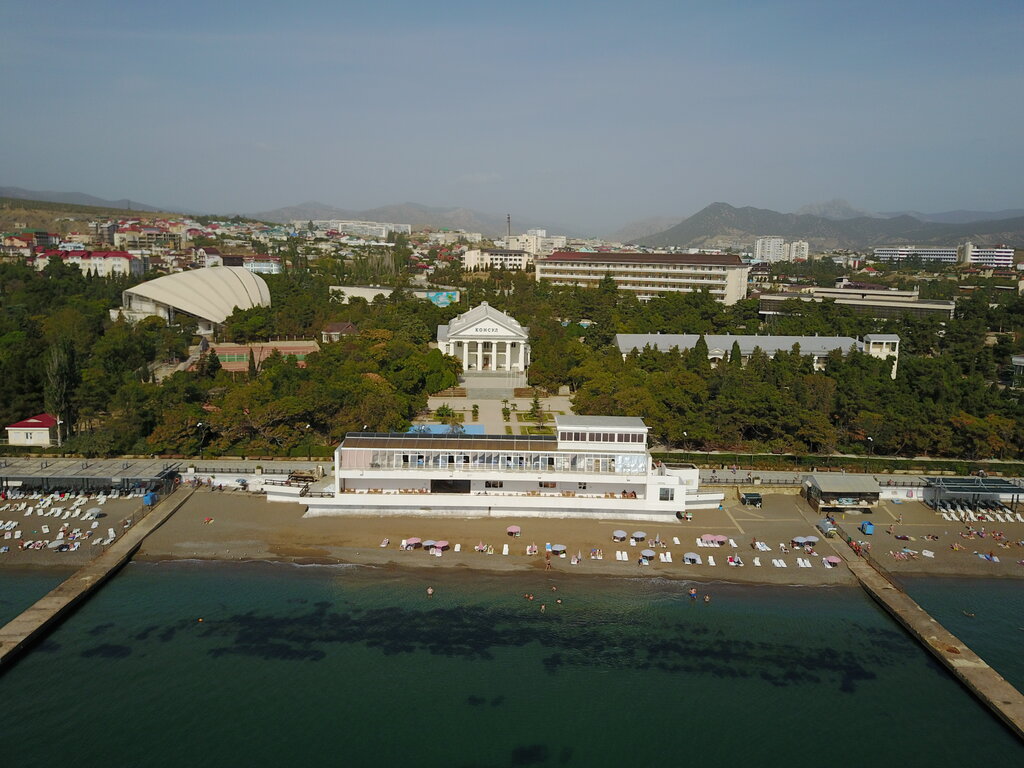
[[38, 618], [977, 676]]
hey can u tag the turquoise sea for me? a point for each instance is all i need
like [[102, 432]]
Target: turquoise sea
[[309, 666]]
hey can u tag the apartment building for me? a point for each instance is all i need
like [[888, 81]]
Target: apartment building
[[496, 258], [940, 254], [536, 242], [981, 256], [648, 275]]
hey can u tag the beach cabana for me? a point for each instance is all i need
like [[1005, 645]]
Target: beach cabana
[[692, 558]]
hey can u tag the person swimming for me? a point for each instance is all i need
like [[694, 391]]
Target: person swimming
[[430, 591], [707, 598]]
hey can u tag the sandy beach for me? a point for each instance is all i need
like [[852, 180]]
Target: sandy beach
[[234, 526]]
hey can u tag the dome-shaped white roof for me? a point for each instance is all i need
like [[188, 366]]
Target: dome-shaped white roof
[[211, 293]]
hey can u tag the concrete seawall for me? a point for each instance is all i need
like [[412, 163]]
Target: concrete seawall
[[49, 610], [970, 669]]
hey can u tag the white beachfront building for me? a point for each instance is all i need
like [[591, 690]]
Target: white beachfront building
[[486, 339], [593, 467]]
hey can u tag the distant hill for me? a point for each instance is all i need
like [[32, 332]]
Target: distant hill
[[416, 215], [637, 230], [837, 210], [75, 198], [960, 217], [721, 224], [61, 217]]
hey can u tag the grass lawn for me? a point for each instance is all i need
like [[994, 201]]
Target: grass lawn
[[538, 431], [523, 416]]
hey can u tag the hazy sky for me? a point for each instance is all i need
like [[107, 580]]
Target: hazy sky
[[588, 113]]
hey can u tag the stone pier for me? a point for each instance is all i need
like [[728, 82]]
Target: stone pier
[[49, 610]]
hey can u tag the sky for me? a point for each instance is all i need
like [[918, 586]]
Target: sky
[[589, 114]]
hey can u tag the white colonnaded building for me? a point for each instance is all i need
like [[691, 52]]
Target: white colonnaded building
[[486, 339], [593, 467]]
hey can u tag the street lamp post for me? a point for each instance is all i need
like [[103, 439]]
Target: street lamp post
[[202, 437], [871, 445], [309, 446]]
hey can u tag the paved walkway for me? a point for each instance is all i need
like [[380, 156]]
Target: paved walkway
[[21, 631]]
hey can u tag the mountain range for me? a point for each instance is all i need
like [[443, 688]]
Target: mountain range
[[832, 224], [722, 225], [75, 198]]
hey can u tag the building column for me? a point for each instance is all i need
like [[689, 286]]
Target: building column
[[479, 355], [465, 356], [522, 356], [505, 365]]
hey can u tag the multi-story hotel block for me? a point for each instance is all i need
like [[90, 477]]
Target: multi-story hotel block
[[648, 275]]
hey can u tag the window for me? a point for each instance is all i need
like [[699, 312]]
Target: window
[[666, 494], [581, 486], [493, 484], [546, 485]]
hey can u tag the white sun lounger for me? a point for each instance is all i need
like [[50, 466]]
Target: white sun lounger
[[17, 534], [945, 516], [732, 543], [711, 560], [757, 562], [971, 517], [504, 550], [46, 529], [927, 553], [458, 547], [675, 540], [1019, 518], [661, 557]]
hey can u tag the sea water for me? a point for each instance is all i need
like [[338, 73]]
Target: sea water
[[174, 664], [21, 587]]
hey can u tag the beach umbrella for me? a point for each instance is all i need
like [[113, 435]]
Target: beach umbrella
[[691, 557], [441, 544], [638, 535], [413, 541], [558, 548], [429, 543], [811, 539], [721, 539], [798, 540], [513, 529], [648, 553], [708, 537], [618, 534], [833, 559]]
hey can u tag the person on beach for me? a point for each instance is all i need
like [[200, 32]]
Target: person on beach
[[693, 593], [430, 591], [707, 598]]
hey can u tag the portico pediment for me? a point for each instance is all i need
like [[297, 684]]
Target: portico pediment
[[486, 329]]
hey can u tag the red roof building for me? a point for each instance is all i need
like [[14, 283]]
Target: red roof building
[[36, 431]]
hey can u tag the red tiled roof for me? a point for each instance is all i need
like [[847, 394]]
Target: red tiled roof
[[42, 421], [724, 259]]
